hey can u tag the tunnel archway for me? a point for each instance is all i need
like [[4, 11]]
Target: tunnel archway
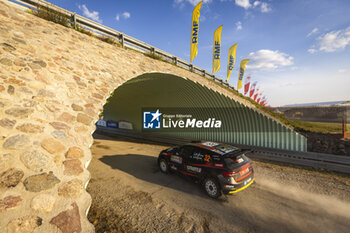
[[243, 125]]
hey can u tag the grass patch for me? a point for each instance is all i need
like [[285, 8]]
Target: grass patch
[[64, 20], [108, 40], [154, 56], [321, 127], [51, 15], [83, 30]]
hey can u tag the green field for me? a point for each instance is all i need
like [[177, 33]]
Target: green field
[[321, 127]]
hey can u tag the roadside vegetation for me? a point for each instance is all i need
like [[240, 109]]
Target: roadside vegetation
[[154, 56], [51, 15], [322, 127], [62, 19]]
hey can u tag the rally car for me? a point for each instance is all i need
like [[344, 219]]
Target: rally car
[[221, 168]]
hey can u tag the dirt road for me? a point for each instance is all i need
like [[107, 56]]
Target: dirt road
[[130, 194]]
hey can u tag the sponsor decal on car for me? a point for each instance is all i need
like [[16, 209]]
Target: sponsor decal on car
[[210, 144], [244, 171], [173, 167], [176, 159], [247, 181], [240, 160], [218, 165], [194, 169], [197, 156]]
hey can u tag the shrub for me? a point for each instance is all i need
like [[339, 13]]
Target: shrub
[[51, 15], [83, 30], [107, 39], [154, 56]]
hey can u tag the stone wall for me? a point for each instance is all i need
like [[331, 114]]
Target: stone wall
[[53, 84]]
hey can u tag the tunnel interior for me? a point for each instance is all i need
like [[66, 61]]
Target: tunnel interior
[[242, 124]]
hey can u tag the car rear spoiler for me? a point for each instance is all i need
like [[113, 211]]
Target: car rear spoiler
[[241, 151]]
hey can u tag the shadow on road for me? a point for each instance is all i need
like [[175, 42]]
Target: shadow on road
[[146, 168], [237, 210], [115, 137]]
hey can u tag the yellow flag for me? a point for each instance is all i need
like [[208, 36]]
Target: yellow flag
[[194, 30], [216, 49], [241, 73], [231, 59]]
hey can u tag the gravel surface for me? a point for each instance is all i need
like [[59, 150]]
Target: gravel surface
[[130, 194]]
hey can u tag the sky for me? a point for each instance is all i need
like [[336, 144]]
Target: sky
[[299, 50]]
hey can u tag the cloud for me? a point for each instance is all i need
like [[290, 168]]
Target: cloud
[[342, 70], [125, 15], [264, 7], [268, 60], [243, 3], [181, 4], [239, 26], [333, 41], [94, 15], [315, 30], [195, 2], [312, 51]]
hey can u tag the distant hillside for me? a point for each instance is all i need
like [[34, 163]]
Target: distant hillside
[[319, 104]]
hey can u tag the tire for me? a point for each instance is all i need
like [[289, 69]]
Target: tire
[[212, 187], [163, 166]]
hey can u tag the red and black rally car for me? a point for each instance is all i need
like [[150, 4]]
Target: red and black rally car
[[221, 168]]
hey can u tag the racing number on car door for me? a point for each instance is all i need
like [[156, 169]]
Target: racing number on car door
[[207, 158]]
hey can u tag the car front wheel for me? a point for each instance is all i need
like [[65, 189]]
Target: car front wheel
[[163, 165], [212, 188]]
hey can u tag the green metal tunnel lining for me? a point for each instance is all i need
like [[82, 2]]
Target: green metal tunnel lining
[[158, 90]]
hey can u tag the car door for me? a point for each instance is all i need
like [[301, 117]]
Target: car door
[[177, 159], [185, 153], [195, 162]]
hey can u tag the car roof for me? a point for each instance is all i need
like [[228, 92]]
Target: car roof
[[216, 147]]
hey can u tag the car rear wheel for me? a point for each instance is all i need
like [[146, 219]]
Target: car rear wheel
[[212, 188], [163, 165]]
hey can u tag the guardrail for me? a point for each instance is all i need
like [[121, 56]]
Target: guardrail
[[327, 161], [125, 40]]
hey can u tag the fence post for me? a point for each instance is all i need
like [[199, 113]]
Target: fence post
[[74, 19], [152, 50], [204, 73], [121, 37], [175, 60], [344, 127]]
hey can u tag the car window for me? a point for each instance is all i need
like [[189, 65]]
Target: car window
[[186, 151], [175, 150]]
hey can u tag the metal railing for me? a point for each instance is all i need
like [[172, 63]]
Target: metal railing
[[125, 40], [318, 160]]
